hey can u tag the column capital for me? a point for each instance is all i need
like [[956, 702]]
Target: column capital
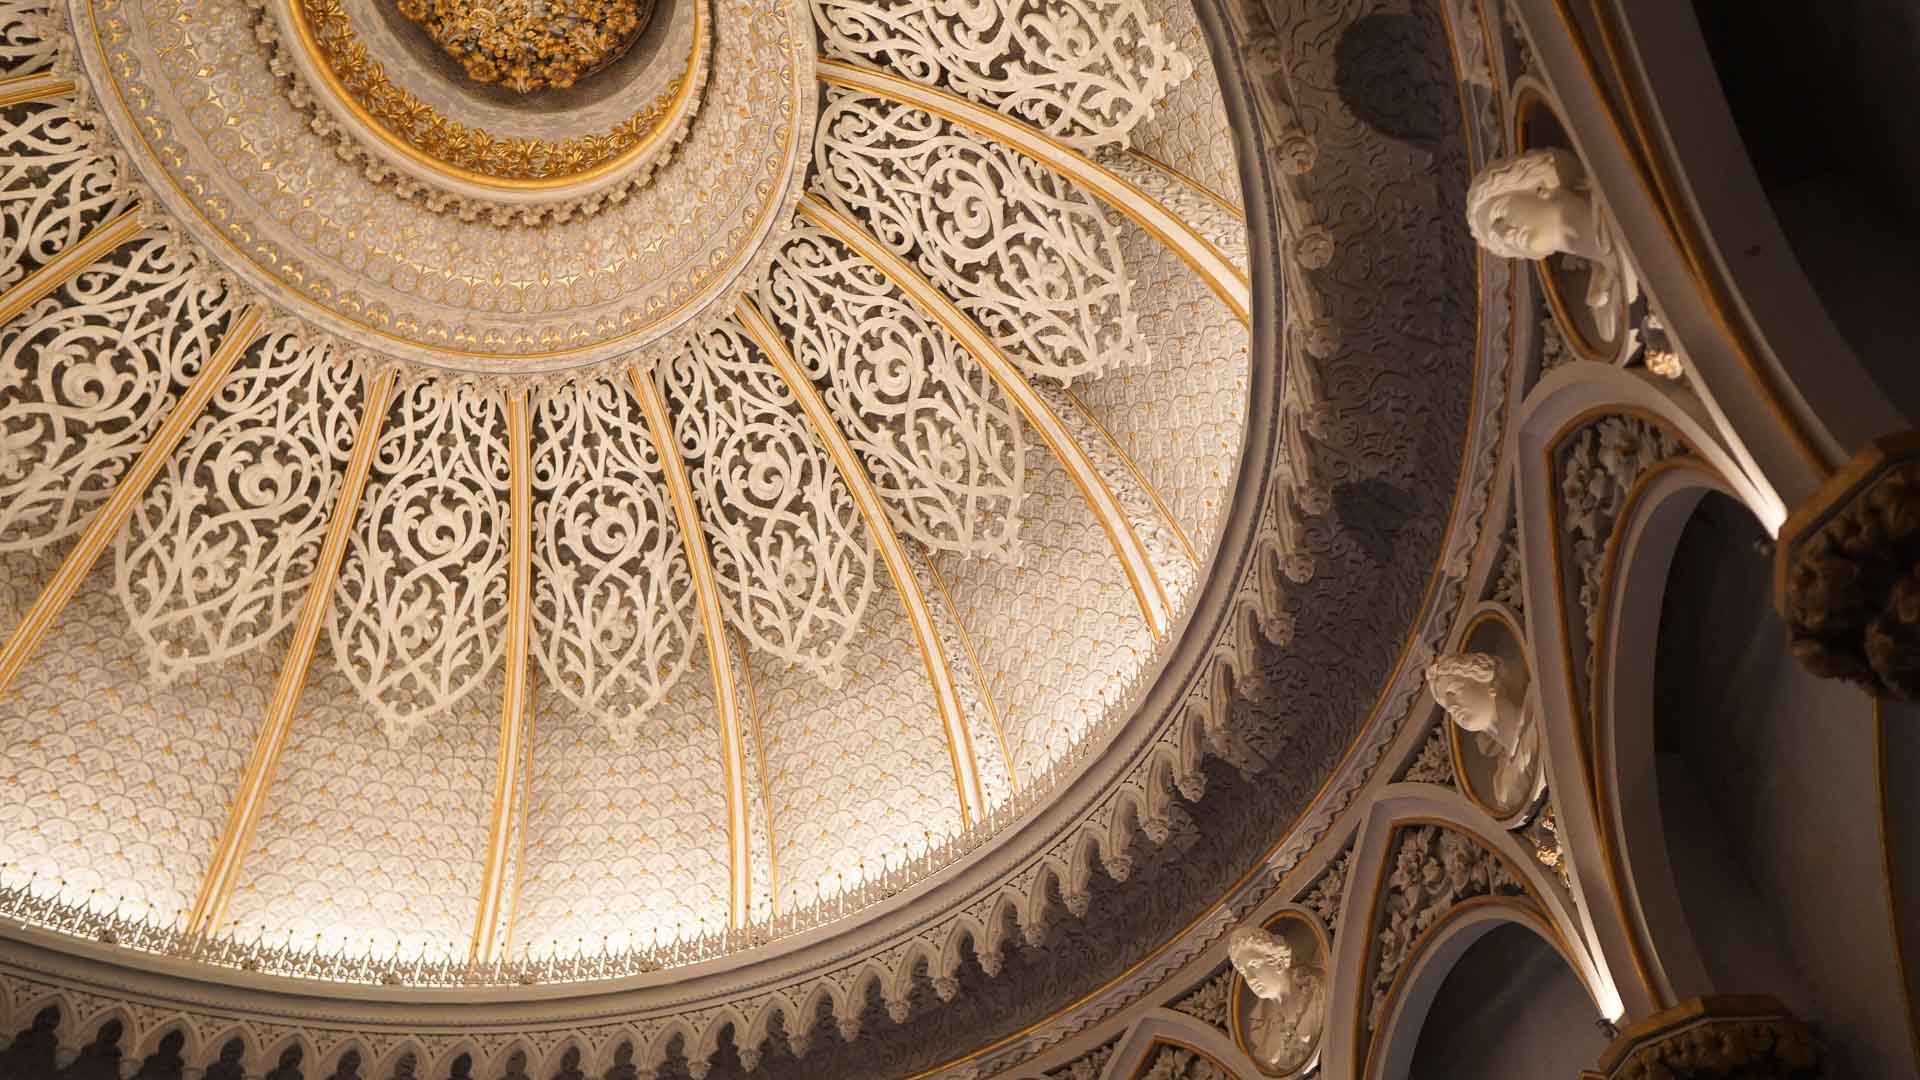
[[1746, 1037]]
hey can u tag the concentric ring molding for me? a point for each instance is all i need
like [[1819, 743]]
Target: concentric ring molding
[[326, 242]]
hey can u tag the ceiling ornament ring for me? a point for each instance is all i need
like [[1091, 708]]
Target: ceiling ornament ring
[[447, 295], [421, 151]]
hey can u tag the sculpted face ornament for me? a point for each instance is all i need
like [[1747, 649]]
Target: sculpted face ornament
[[1539, 204], [1483, 695], [1285, 1023]]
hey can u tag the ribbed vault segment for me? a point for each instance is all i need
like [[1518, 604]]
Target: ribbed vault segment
[[1058, 635], [1180, 419], [627, 838], [1188, 130], [116, 786], [858, 773], [367, 844]]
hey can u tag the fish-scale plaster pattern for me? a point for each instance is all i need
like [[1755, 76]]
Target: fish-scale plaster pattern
[[625, 838], [1188, 129], [1059, 635], [860, 772], [367, 845], [113, 787], [1180, 421]]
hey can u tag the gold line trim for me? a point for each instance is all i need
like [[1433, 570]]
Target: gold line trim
[[760, 759], [50, 276], [979, 673], [39, 86], [108, 519], [966, 770], [713, 626], [513, 705], [1126, 544], [1139, 477], [526, 807], [1218, 271], [223, 870], [1203, 190]]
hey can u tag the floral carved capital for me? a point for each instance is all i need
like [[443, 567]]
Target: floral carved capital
[[1847, 572], [1715, 1038]]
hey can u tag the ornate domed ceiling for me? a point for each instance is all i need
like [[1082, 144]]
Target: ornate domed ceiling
[[483, 488]]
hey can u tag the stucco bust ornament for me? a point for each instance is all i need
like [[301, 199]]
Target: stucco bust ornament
[[1541, 203]]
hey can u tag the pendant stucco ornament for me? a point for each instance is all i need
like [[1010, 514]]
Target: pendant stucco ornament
[[1540, 204], [530, 45], [1847, 572]]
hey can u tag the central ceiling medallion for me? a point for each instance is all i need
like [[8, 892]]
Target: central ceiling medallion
[[526, 45], [359, 179], [530, 45]]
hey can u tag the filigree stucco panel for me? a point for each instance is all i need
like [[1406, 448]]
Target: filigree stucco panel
[[88, 373]]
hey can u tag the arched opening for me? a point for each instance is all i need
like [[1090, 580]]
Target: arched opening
[[1511, 1009], [1844, 184], [1767, 802]]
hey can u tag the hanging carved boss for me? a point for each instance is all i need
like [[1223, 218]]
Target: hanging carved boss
[[531, 45], [1847, 572]]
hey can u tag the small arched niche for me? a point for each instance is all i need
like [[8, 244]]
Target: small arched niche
[[1511, 1008], [1765, 793]]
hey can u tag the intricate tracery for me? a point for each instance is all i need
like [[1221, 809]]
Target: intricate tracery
[[788, 548], [421, 604], [216, 558], [86, 375], [1030, 257], [1084, 71], [55, 185], [939, 438], [25, 47], [611, 588]]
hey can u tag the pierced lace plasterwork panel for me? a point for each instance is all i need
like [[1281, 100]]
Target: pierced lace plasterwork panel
[[87, 374], [25, 47], [114, 789], [55, 185], [860, 774], [216, 558], [1028, 255], [612, 595], [793, 560], [419, 612], [1181, 420], [1060, 635], [940, 440], [1084, 71], [625, 840], [1188, 131], [365, 844]]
